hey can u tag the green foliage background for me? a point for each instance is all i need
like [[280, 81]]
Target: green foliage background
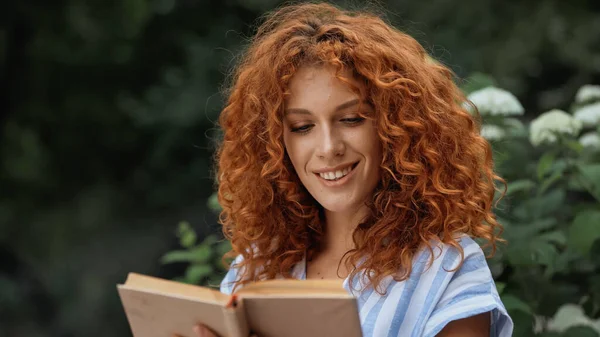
[[107, 128]]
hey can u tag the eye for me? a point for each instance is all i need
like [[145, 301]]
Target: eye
[[301, 129], [353, 120]]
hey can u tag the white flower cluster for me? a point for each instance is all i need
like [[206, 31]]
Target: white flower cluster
[[590, 140], [570, 315], [492, 132], [587, 93], [546, 127], [496, 102], [589, 115]]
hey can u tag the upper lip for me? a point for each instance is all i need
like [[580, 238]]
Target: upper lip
[[335, 168]]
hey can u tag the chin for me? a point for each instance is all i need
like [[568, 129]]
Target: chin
[[338, 207]]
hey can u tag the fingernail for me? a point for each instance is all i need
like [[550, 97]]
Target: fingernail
[[197, 330]]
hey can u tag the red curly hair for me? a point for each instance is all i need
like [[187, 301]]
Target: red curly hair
[[437, 177]]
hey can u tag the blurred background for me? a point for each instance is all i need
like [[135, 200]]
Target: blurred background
[[107, 128]]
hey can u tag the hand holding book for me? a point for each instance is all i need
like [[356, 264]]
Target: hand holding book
[[274, 308], [202, 331]]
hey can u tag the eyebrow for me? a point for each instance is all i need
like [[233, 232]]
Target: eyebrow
[[338, 108]]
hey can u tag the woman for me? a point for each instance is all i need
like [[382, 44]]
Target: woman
[[348, 153]]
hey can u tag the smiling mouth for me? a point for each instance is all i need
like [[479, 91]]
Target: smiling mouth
[[338, 174]]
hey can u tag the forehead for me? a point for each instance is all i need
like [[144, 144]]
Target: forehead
[[318, 86]]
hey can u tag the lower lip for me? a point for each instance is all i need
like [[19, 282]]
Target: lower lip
[[339, 182]]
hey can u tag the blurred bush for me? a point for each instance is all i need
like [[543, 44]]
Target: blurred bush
[[204, 260], [548, 274]]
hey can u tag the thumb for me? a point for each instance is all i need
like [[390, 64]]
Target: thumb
[[203, 331]]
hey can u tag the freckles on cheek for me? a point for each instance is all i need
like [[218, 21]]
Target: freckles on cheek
[[298, 154]]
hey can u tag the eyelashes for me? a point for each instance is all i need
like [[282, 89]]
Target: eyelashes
[[352, 121], [302, 129]]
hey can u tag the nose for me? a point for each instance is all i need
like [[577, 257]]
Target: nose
[[331, 144]]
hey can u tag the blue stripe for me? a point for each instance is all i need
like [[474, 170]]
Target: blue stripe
[[473, 291], [364, 297], [436, 288], [409, 289], [231, 276], [471, 264], [228, 280], [369, 324], [499, 322]]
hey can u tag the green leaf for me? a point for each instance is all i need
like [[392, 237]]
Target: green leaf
[[580, 331], [177, 256], [584, 230], [591, 176], [519, 185], [530, 230], [543, 253], [549, 334], [223, 247], [202, 253], [532, 250], [544, 164], [196, 273], [556, 237], [209, 240], [213, 203], [575, 183], [513, 303], [187, 235], [574, 145], [199, 254], [500, 287], [548, 182], [541, 207], [477, 81]]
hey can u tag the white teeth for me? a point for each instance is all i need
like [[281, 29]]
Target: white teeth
[[335, 175]]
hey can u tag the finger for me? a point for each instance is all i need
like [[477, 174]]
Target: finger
[[203, 331]]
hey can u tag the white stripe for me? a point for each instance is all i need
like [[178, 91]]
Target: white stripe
[[424, 287], [471, 249], [370, 303], [384, 319]]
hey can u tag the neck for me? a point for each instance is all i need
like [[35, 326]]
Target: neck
[[339, 227]]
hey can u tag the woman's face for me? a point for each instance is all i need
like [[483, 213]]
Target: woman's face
[[335, 152]]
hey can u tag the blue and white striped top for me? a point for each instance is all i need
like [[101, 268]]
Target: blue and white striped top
[[429, 299]]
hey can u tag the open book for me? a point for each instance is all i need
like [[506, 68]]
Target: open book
[[274, 308]]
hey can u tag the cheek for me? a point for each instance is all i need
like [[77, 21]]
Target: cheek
[[369, 143], [293, 147]]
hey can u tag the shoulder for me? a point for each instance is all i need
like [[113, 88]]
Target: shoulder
[[452, 284], [459, 284], [466, 258]]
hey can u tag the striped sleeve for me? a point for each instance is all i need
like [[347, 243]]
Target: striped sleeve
[[231, 277], [470, 291]]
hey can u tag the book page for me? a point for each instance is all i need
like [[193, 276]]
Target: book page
[[302, 317], [300, 308], [295, 288], [152, 314], [153, 284]]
